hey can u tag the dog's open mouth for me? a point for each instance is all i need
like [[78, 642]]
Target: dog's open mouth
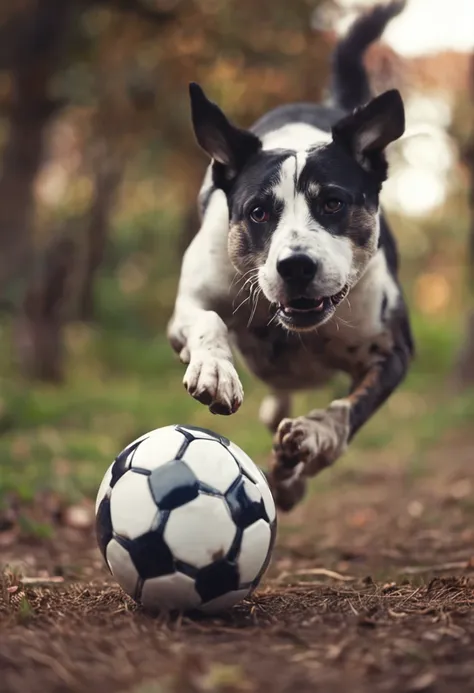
[[305, 313]]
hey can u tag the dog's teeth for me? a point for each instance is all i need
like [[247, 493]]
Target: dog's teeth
[[320, 306]]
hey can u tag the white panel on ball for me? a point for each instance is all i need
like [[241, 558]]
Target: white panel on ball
[[132, 508], [268, 501], [201, 531], [254, 550], [169, 593], [226, 601], [252, 490], [122, 567], [212, 464], [104, 487], [247, 463], [160, 447]]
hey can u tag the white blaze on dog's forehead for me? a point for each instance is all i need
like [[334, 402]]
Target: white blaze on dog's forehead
[[290, 171], [298, 136], [295, 216], [284, 190], [301, 157]]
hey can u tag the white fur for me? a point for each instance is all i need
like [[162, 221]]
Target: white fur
[[296, 136], [359, 315]]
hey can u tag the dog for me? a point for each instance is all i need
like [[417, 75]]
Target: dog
[[295, 266]]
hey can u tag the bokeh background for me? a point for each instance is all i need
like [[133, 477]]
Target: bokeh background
[[98, 177]]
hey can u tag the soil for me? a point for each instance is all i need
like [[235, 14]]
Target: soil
[[370, 589]]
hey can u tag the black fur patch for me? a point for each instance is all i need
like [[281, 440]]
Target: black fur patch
[[254, 189]]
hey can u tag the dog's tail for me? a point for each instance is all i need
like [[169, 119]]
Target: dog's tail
[[350, 81]]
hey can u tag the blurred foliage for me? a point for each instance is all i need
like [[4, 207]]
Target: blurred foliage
[[123, 78]]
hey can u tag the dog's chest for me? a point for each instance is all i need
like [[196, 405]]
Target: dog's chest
[[293, 362], [280, 359]]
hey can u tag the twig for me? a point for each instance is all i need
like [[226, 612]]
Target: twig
[[353, 609], [41, 581], [317, 571]]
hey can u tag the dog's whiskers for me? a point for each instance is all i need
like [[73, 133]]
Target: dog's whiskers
[[272, 319], [256, 295], [346, 323], [241, 304], [240, 278], [248, 282], [254, 292]]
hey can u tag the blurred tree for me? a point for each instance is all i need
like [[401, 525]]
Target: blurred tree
[[41, 29], [464, 369], [31, 38]]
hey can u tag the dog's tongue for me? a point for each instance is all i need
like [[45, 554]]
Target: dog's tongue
[[304, 305]]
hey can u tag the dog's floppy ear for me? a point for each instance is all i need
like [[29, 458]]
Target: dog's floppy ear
[[226, 144], [369, 129]]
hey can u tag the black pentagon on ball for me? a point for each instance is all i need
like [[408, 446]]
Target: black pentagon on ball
[[103, 525], [150, 554], [244, 510], [217, 579], [192, 433], [121, 464], [173, 484]]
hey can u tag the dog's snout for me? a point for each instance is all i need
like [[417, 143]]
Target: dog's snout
[[297, 267]]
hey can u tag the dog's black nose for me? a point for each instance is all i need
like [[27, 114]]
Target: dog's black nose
[[297, 267]]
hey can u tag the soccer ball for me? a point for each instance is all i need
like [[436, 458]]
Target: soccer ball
[[185, 521]]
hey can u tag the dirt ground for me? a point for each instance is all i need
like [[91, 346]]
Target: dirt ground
[[369, 590]]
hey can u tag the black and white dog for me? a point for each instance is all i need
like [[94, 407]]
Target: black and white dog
[[295, 265]]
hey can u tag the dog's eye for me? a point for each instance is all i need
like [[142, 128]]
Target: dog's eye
[[332, 205], [259, 215]]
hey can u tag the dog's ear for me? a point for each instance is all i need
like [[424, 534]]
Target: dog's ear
[[369, 129], [226, 144]]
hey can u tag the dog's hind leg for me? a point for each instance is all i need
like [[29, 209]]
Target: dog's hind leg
[[274, 408]]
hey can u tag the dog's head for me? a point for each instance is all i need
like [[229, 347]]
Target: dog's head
[[306, 219]]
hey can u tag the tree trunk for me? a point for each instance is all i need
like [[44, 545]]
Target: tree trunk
[[44, 311], [40, 33], [464, 368], [106, 184]]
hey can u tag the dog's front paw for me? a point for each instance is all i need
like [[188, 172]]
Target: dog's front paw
[[314, 442], [214, 382]]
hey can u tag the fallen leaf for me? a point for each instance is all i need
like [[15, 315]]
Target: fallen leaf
[[422, 682]]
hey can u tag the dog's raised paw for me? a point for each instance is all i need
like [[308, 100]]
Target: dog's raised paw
[[214, 382], [315, 442]]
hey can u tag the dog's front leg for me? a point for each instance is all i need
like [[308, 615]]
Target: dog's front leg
[[196, 331], [200, 337], [306, 445]]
